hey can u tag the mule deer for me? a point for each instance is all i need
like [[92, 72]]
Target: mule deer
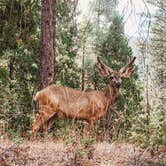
[[75, 104]]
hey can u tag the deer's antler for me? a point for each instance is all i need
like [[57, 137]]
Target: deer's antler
[[128, 70], [105, 70]]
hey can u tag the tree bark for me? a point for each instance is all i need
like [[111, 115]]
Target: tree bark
[[47, 50]]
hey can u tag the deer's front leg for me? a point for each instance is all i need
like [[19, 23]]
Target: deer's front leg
[[45, 114]]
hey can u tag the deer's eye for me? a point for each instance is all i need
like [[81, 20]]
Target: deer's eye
[[111, 77]]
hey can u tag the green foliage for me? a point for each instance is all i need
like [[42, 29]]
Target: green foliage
[[68, 71], [157, 54], [151, 135], [149, 129], [19, 52], [19, 71], [116, 53], [19, 56]]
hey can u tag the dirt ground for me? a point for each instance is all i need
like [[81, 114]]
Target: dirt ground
[[59, 154]]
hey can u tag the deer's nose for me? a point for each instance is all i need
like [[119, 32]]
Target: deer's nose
[[118, 84]]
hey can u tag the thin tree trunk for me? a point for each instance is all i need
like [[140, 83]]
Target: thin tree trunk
[[47, 50], [83, 68], [11, 67], [147, 99]]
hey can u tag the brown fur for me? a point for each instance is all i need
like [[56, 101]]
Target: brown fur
[[75, 104]]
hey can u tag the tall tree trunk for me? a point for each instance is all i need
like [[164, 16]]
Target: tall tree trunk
[[47, 50], [83, 68]]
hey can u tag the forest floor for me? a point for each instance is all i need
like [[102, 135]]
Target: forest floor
[[49, 153]]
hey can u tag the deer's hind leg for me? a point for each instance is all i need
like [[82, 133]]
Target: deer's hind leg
[[45, 114]]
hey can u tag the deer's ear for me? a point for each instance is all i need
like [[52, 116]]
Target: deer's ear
[[104, 70], [128, 70]]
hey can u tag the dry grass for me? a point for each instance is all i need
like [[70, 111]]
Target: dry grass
[[58, 154]]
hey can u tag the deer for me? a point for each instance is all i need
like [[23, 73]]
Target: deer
[[90, 105]]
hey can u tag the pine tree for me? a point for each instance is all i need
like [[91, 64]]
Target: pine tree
[[115, 52]]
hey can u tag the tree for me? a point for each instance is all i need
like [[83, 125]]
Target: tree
[[19, 56], [19, 52], [158, 48], [115, 52], [67, 45], [47, 59], [157, 75], [95, 33], [150, 123]]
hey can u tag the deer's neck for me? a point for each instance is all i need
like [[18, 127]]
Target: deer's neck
[[111, 94]]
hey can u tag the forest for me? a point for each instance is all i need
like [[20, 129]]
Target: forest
[[83, 82]]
